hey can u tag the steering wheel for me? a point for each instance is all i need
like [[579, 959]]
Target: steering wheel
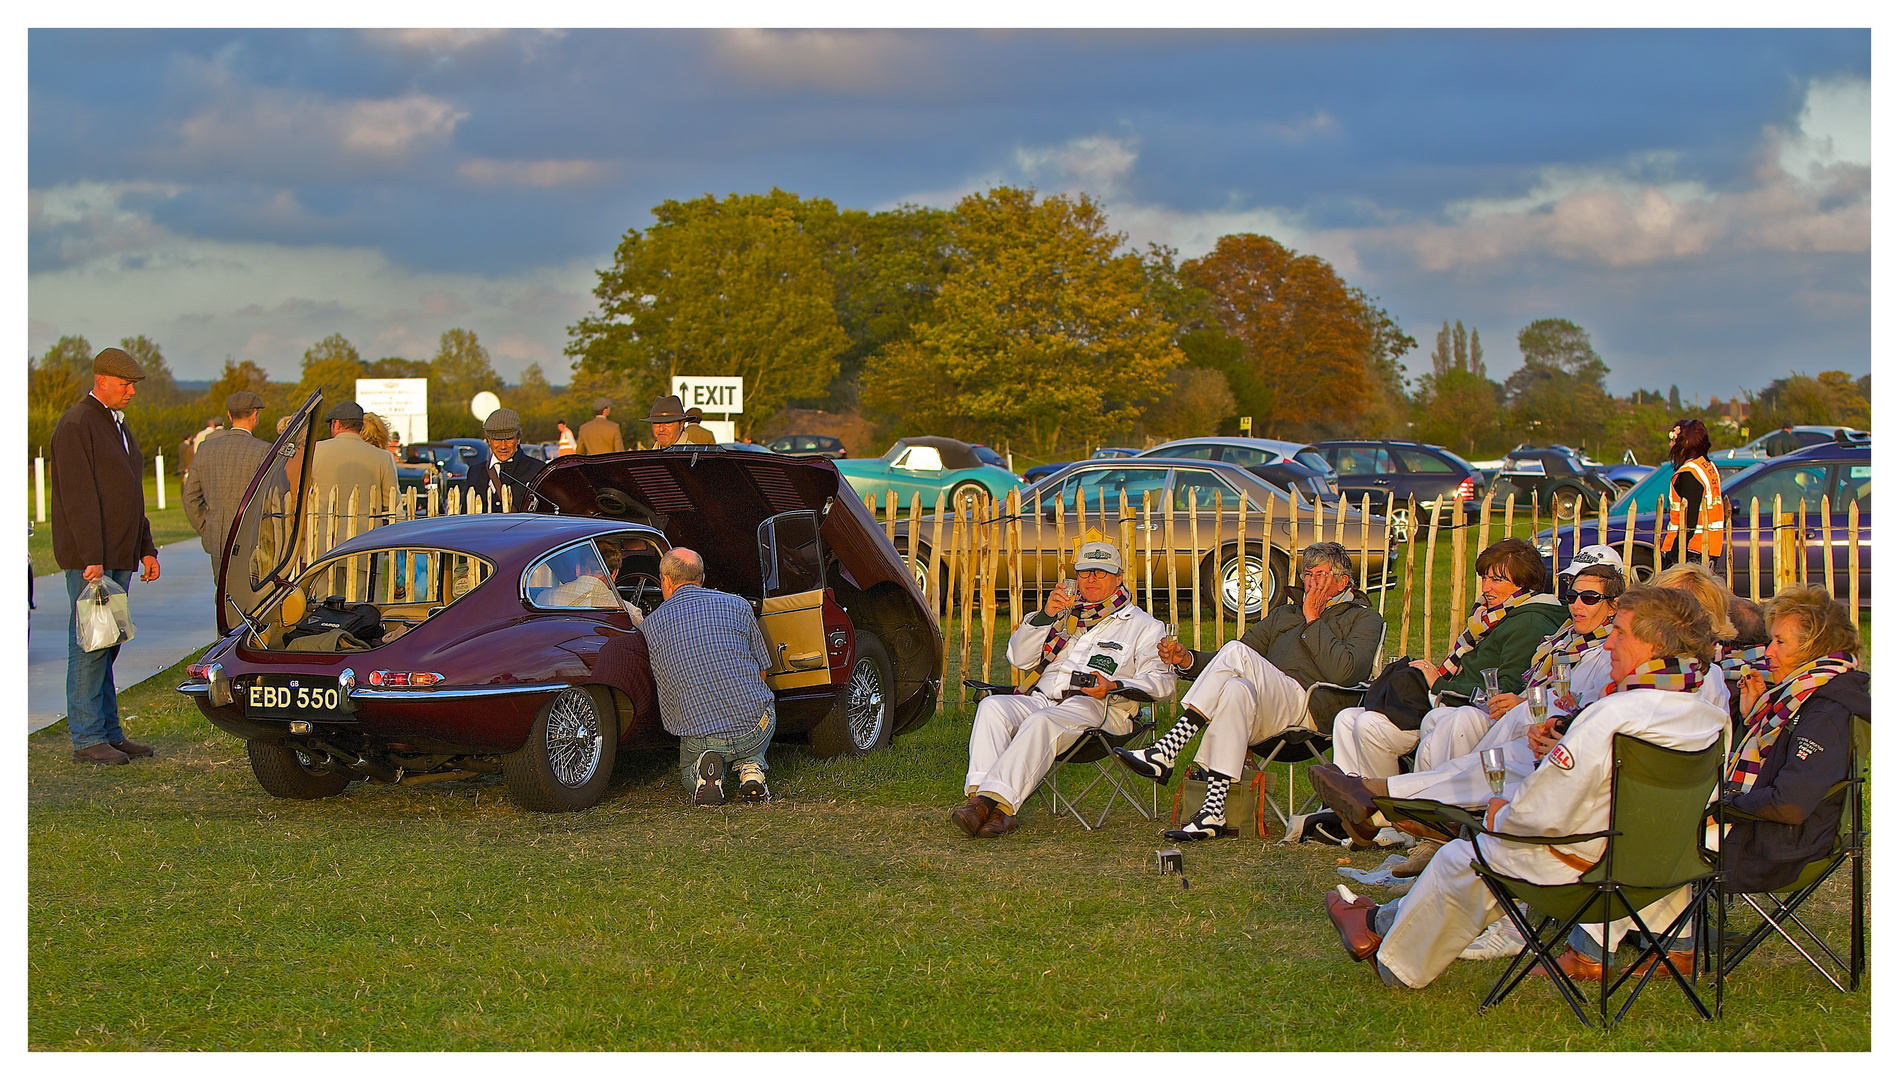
[[640, 589]]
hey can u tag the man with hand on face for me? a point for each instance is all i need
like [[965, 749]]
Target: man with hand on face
[[510, 468], [1085, 647]]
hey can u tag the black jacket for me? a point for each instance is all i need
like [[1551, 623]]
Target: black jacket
[[1339, 647], [98, 492], [1811, 756], [516, 474]]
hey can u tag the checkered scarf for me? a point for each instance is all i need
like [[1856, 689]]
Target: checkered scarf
[[1481, 620], [1081, 618], [1735, 663], [1343, 597], [1565, 646], [1777, 706], [1681, 673]]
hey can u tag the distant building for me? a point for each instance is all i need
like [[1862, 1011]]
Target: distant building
[[1731, 413]]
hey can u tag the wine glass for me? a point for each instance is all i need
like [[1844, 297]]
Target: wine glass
[[1539, 697], [1492, 759], [1491, 688], [1170, 632]]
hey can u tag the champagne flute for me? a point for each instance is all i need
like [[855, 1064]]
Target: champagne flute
[[1539, 703], [1491, 689], [1170, 632], [1492, 759]]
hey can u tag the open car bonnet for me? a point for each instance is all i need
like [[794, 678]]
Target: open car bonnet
[[261, 549]]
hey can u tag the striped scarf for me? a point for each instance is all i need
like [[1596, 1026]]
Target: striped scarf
[[1081, 618], [1342, 598], [1679, 673], [1481, 620], [1735, 663], [1777, 706], [1565, 646]]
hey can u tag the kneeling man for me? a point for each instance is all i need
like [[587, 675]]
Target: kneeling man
[[1085, 649]]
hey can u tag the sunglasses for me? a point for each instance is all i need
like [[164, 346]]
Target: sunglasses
[[1587, 596]]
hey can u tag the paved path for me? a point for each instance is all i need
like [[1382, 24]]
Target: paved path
[[172, 618]]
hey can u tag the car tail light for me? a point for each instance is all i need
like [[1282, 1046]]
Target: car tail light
[[1467, 490], [198, 671], [409, 680]]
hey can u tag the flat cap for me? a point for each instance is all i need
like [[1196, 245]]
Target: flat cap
[[502, 424], [601, 405], [345, 410], [117, 363], [242, 402]]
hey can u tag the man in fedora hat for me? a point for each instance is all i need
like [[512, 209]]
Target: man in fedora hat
[[669, 419], [99, 530], [223, 472], [600, 435], [510, 468]]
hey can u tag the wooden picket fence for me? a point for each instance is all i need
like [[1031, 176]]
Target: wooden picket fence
[[330, 518]]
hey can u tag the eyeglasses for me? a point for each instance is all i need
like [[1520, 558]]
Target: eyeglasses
[[1587, 596], [1320, 571]]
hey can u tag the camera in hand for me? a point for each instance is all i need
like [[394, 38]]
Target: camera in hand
[[1082, 679]]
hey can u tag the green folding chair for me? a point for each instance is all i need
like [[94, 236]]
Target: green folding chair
[[1658, 802], [1780, 909]]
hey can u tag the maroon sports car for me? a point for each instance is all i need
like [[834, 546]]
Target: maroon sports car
[[446, 647]]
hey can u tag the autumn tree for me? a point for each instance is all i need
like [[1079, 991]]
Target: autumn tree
[[1304, 331], [158, 387], [1195, 403], [1832, 397], [887, 268], [1203, 344], [1040, 333], [331, 366]]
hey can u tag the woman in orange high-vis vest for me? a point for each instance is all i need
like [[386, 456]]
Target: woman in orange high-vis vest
[[1694, 497]]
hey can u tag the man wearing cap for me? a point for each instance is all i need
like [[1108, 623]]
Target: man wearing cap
[[600, 435], [695, 433], [1085, 649], [510, 468], [224, 469], [99, 530], [669, 419], [344, 463]]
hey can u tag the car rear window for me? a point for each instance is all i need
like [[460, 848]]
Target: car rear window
[[1423, 461]]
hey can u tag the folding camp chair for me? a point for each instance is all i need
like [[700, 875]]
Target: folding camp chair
[[1095, 747], [1305, 743], [1781, 908], [1658, 800]]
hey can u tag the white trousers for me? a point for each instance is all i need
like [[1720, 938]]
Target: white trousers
[[1246, 700], [1017, 736], [1438, 917], [1450, 731], [1364, 743]]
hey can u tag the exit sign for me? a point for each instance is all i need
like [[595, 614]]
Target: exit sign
[[711, 393]]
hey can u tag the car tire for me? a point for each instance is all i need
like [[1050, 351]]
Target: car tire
[[568, 756], [920, 570], [1564, 500], [1214, 585], [860, 719], [968, 495], [287, 773]]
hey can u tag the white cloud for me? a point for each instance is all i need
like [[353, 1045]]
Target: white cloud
[[846, 60], [490, 172], [1095, 164], [261, 132], [1836, 128]]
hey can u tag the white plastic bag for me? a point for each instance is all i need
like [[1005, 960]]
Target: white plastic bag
[[102, 616]]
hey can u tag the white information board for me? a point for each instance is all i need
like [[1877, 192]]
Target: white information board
[[403, 403], [711, 393]]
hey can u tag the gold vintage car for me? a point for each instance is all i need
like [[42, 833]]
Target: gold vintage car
[[1205, 497]]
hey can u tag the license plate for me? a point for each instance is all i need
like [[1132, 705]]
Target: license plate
[[298, 697]]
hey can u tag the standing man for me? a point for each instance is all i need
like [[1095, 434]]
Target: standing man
[[695, 431], [600, 435], [99, 529], [568, 444], [510, 468], [225, 468], [709, 663], [344, 463], [668, 417]]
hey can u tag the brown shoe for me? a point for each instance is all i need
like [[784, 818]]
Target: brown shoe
[[1420, 857], [1578, 967], [1352, 919], [999, 824], [1346, 795], [100, 754], [1423, 831], [132, 749], [1684, 962], [973, 815]]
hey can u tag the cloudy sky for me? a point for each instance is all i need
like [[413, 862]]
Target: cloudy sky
[[1700, 201]]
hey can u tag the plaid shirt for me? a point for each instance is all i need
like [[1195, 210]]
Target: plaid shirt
[[707, 654]]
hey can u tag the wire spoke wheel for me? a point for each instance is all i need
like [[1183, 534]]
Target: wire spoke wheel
[[574, 739], [865, 709]]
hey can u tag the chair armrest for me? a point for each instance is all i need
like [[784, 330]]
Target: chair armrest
[[1133, 695], [1431, 812], [987, 688]]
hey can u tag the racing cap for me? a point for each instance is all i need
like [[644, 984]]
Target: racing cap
[[1096, 555], [1594, 555]]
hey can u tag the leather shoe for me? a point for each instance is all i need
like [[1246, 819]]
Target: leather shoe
[[1140, 764], [999, 824], [132, 749], [100, 754], [973, 815], [1352, 919], [1578, 967], [1420, 857], [1347, 796], [1684, 962]]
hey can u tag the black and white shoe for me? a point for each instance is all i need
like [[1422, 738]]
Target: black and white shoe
[[1202, 826], [711, 790], [1145, 763]]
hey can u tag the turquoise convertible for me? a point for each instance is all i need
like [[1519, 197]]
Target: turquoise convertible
[[929, 466]]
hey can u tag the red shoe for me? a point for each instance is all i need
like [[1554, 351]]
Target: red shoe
[[1352, 919]]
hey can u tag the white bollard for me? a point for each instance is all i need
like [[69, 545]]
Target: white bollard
[[39, 489], [161, 481]]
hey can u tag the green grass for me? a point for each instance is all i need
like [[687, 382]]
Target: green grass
[[168, 525], [173, 905]]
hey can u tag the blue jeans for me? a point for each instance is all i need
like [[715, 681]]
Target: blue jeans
[[737, 750], [92, 705]]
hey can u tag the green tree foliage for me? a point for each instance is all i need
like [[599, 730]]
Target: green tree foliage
[[736, 286], [395, 367], [1197, 401], [158, 388], [331, 366], [1558, 396], [887, 268], [1040, 334], [1387, 404], [1304, 332], [1832, 397], [1460, 410]]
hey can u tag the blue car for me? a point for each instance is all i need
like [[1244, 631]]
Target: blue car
[[931, 468], [1035, 473]]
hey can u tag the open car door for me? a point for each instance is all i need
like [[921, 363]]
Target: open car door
[[261, 553], [791, 617]]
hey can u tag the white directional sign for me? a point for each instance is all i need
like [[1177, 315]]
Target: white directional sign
[[403, 403], [711, 393]]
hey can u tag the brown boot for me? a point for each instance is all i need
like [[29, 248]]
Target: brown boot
[[132, 749], [1575, 965], [973, 815], [100, 754], [1420, 857], [999, 824]]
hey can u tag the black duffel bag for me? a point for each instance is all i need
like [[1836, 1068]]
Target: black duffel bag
[[360, 621], [1401, 694]]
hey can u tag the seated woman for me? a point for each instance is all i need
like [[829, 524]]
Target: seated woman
[[1798, 741]]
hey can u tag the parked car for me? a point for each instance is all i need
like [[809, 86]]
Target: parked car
[[1105, 453], [1624, 474], [1804, 435], [1554, 478], [1189, 486], [824, 446], [930, 467], [1654, 486], [1320, 481], [478, 661], [1399, 470], [1843, 473], [443, 462]]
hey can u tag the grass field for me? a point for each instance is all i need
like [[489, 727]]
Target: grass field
[[173, 905]]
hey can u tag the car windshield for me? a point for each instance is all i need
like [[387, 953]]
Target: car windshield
[[990, 457]]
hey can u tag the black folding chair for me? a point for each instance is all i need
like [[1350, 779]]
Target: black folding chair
[[1095, 747]]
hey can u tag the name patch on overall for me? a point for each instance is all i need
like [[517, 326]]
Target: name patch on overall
[[1560, 755], [1102, 663]]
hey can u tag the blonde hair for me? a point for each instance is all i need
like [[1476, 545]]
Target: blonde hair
[[1670, 619], [1713, 595], [375, 431], [1825, 624]]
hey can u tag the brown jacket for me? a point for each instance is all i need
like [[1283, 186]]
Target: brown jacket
[[98, 492], [600, 436], [224, 470]]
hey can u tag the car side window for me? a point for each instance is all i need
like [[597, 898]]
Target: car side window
[[1792, 484], [1364, 461], [1246, 456], [1852, 484], [1197, 451], [1418, 461], [1194, 489], [1096, 485], [791, 554], [573, 577], [919, 459]]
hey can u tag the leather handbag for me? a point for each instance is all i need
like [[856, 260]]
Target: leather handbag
[[1401, 694]]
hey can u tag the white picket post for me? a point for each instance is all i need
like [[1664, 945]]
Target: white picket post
[[161, 481], [39, 487]]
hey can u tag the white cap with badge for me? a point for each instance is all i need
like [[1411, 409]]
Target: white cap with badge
[[1096, 555], [1594, 555]]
